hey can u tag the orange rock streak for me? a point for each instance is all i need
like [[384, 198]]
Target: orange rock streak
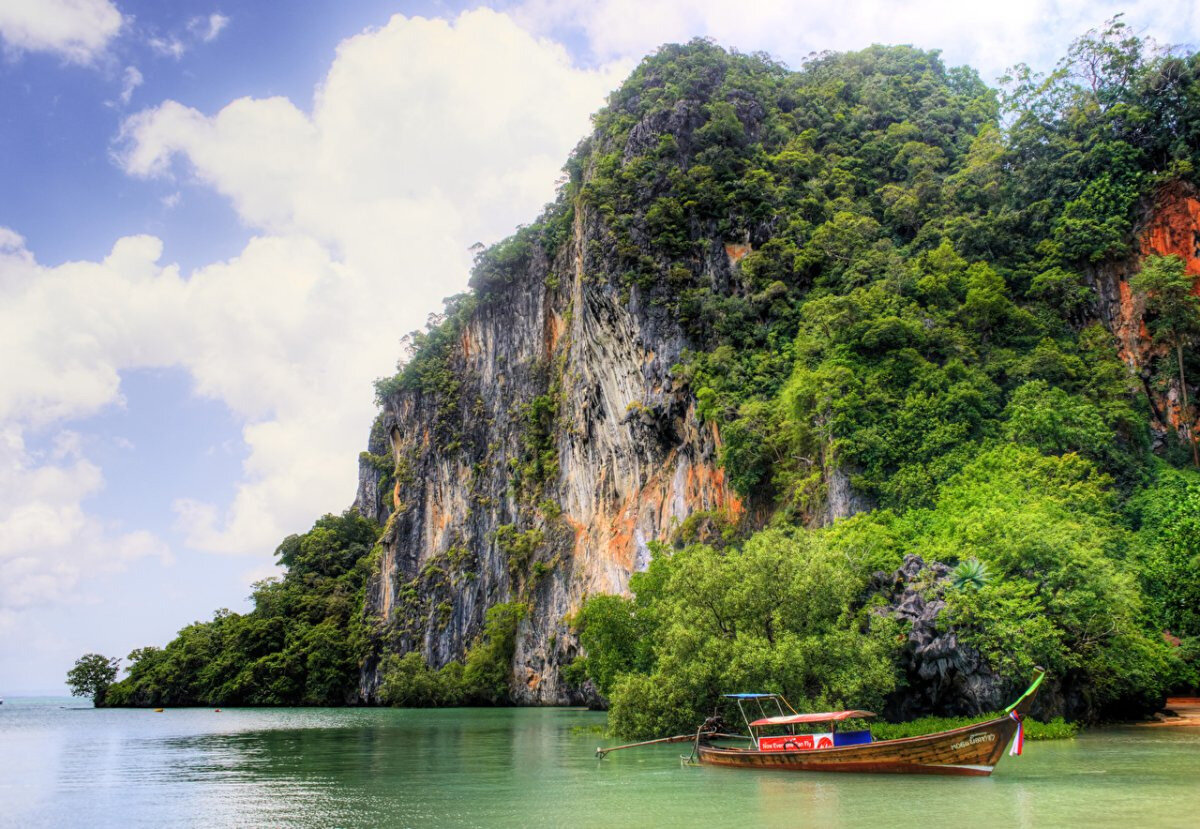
[[1173, 229]]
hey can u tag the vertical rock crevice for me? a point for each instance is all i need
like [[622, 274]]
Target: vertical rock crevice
[[568, 451]]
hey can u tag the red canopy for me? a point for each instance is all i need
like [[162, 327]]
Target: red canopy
[[799, 718]]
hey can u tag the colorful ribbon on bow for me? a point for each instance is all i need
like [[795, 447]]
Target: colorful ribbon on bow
[[1018, 742]]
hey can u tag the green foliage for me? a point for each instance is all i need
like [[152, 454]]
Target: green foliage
[[890, 385], [1062, 592], [519, 547], [1046, 575], [539, 462], [1173, 310], [1092, 137], [1057, 422], [923, 266], [746, 457], [1173, 317], [714, 527], [616, 638], [487, 672], [1169, 515], [482, 680], [332, 548], [781, 612], [300, 645], [500, 264], [970, 574], [92, 675], [1168, 558], [409, 683]]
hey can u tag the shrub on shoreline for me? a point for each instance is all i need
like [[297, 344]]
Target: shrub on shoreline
[[1055, 729]]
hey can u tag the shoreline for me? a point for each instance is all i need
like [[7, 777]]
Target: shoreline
[[1179, 712]]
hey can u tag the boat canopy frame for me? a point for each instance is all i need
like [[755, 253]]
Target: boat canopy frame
[[784, 719], [758, 700], [795, 718]]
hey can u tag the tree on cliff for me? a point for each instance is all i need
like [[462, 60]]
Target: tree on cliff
[[1173, 317], [92, 675]]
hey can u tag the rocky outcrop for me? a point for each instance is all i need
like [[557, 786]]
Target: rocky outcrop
[[1171, 227], [944, 675], [376, 467], [543, 471], [841, 499]]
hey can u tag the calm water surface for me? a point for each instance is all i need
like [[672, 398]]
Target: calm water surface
[[62, 765]]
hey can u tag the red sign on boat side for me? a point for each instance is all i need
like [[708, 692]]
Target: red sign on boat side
[[795, 742]]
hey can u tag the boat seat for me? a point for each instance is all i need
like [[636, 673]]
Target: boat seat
[[851, 738]]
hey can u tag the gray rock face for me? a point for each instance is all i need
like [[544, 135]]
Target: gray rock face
[[841, 500], [944, 675], [562, 370], [370, 499], [947, 677]]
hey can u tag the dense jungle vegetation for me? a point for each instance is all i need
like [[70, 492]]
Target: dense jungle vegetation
[[916, 313], [297, 647], [302, 643]]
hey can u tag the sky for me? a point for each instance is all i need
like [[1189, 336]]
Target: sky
[[218, 219]]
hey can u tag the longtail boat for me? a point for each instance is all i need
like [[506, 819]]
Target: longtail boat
[[970, 750]]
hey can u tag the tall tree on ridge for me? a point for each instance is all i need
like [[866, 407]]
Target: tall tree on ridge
[[1174, 316]]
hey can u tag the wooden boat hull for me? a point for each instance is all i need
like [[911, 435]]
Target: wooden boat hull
[[973, 750]]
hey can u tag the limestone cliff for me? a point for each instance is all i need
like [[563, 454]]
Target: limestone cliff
[[567, 450]]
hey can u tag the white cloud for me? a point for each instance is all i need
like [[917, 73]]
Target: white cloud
[[168, 47], [420, 119], [989, 36], [77, 30], [198, 30], [131, 79], [47, 541], [207, 28], [275, 333], [424, 136]]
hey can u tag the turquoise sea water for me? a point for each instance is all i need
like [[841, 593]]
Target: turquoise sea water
[[66, 765]]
